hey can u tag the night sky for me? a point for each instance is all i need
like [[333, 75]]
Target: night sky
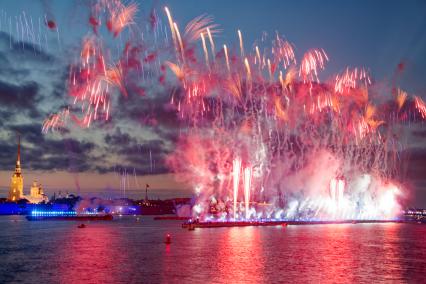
[[378, 35]]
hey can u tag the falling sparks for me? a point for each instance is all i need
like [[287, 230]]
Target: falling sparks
[[313, 61], [420, 106], [211, 41], [121, 16], [225, 50], [247, 64], [179, 38], [56, 121], [206, 54], [240, 37], [350, 80]]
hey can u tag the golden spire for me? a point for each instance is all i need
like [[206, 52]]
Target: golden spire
[[16, 190], [18, 158], [19, 148]]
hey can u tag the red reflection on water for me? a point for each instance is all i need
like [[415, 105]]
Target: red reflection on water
[[338, 253], [240, 256], [392, 251], [88, 255], [349, 253], [167, 248]]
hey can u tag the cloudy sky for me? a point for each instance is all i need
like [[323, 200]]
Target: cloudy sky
[[34, 69]]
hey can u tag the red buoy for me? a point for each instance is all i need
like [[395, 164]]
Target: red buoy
[[51, 24], [168, 239]]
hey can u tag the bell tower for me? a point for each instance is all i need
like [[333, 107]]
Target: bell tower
[[17, 181]]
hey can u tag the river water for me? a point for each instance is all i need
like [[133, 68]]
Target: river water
[[131, 250]]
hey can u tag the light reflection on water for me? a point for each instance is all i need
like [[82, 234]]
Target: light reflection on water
[[126, 251]]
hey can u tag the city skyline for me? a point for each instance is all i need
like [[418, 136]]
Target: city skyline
[[119, 185]]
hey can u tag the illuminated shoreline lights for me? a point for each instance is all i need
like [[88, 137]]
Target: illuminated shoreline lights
[[38, 213]]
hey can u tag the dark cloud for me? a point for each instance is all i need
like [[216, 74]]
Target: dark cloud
[[7, 156], [60, 88], [17, 57], [28, 77], [5, 115], [118, 138], [18, 96], [23, 50], [39, 153], [31, 132], [23, 98], [145, 156], [150, 110]]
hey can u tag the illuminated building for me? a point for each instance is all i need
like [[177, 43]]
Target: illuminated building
[[17, 180], [36, 194], [36, 190]]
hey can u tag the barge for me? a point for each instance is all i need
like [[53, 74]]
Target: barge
[[67, 216], [219, 224]]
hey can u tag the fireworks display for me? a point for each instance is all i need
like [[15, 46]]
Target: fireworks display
[[261, 137]]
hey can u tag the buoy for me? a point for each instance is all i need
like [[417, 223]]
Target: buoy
[[284, 224], [168, 239], [191, 227]]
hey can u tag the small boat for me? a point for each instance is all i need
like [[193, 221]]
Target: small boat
[[81, 226]]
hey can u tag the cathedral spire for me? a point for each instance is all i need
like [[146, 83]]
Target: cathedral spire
[[18, 157], [16, 190]]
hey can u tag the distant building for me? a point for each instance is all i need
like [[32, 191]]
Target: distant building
[[415, 214], [36, 190], [36, 194], [16, 191]]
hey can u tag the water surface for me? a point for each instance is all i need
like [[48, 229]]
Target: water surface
[[130, 251]]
